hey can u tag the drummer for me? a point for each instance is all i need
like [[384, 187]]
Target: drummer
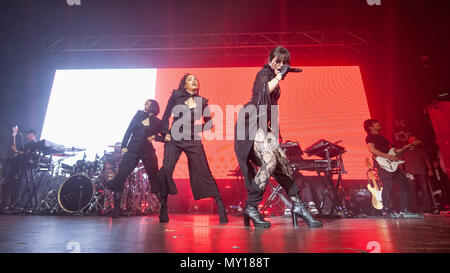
[[112, 159], [143, 129]]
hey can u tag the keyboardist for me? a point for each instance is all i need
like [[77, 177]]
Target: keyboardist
[[15, 165]]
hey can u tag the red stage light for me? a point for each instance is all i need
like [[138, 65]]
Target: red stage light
[[321, 102]]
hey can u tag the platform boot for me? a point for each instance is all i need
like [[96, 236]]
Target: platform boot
[[252, 213], [299, 209]]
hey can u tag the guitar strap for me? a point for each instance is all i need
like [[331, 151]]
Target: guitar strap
[[375, 162], [392, 145]]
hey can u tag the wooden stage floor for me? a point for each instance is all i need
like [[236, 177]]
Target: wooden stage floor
[[194, 233]]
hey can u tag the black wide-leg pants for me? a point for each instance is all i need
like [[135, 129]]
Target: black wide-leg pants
[[202, 182]]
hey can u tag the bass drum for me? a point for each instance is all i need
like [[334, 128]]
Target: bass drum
[[76, 193]]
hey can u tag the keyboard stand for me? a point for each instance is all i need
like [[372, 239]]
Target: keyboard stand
[[275, 193]]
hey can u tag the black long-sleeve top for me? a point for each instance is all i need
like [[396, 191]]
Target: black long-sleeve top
[[260, 90], [177, 105], [139, 133], [247, 129]]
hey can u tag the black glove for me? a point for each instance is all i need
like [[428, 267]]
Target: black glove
[[284, 70]]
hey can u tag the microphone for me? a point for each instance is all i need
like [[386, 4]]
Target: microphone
[[295, 70]]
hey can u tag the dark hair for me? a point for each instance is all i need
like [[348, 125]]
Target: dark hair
[[369, 123], [183, 82], [154, 107], [281, 54], [30, 131]]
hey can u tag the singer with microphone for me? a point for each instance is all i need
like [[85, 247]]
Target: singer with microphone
[[257, 143]]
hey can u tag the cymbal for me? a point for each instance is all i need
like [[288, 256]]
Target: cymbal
[[63, 155], [114, 146], [74, 149]]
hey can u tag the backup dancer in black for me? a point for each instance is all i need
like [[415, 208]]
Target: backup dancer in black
[[143, 129], [187, 107]]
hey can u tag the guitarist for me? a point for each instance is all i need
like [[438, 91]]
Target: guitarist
[[18, 156], [379, 146]]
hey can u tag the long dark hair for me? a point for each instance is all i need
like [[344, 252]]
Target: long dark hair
[[183, 82]]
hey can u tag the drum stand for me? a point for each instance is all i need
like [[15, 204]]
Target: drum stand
[[332, 191], [79, 211], [35, 184], [95, 206], [49, 202]]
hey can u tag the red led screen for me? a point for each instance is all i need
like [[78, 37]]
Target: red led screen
[[321, 102]]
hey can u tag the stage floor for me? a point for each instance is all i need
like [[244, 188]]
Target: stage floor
[[186, 233]]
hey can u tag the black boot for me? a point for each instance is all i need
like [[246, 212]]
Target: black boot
[[117, 200], [256, 217], [298, 208], [221, 210], [163, 215]]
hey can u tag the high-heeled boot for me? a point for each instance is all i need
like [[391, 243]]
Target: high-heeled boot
[[298, 208], [163, 215], [221, 210], [256, 217], [117, 201]]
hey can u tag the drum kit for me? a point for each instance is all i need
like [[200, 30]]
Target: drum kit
[[79, 189]]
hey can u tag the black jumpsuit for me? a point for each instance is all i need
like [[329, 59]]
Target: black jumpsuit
[[139, 148], [185, 138]]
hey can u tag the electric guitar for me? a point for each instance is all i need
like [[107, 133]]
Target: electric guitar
[[392, 166], [374, 190]]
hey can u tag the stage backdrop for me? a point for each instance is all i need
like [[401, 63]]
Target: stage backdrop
[[92, 109]]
